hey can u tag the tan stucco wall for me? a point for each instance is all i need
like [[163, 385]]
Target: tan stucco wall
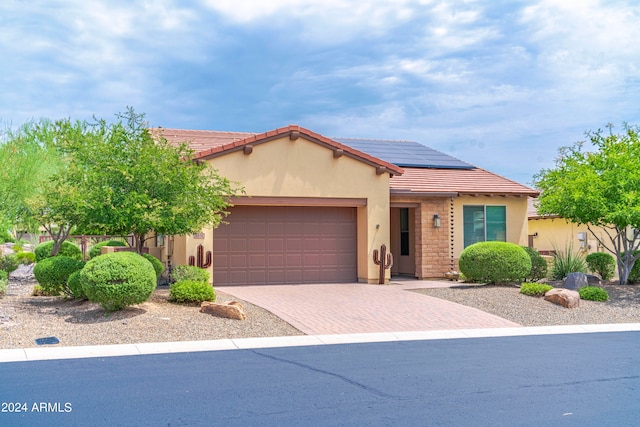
[[301, 168], [558, 234], [516, 209]]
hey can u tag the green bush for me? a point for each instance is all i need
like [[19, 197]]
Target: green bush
[[601, 263], [97, 248], [535, 289], [53, 273], [9, 262], [4, 282], [634, 274], [26, 257], [494, 262], [538, 265], [17, 248], [565, 262], [157, 265], [593, 293], [190, 272], [117, 280], [191, 291], [74, 286], [71, 250]]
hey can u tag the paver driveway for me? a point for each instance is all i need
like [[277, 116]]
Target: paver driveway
[[348, 308]]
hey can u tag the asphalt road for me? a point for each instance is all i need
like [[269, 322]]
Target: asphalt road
[[564, 380]]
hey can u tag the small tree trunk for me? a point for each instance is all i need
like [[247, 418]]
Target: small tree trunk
[[139, 239]]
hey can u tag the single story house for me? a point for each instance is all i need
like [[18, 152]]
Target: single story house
[[316, 208], [551, 233]]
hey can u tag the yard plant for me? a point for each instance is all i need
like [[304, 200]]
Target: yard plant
[[494, 262], [601, 263], [535, 289], [593, 293], [53, 273], [97, 248], [191, 291], [44, 250], [117, 280], [567, 261], [538, 265], [190, 272]]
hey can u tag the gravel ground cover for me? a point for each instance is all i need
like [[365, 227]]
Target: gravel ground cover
[[507, 302], [23, 318]]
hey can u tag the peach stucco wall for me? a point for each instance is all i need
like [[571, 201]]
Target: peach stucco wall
[[301, 168], [516, 210], [558, 234]]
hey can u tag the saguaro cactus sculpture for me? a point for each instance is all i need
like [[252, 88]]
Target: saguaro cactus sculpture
[[384, 260], [200, 260]]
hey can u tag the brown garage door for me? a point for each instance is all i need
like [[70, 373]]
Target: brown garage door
[[274, 245]]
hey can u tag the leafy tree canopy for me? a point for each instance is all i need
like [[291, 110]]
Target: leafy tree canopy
[[599, 187]]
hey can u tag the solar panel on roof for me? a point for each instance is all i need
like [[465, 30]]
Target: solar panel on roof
[[405, 153]]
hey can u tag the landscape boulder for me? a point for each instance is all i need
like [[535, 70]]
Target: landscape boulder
[[575, 281], [230, 310], [594, 280], [564, 297]]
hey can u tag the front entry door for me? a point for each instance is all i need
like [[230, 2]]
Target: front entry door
[[403, 241]]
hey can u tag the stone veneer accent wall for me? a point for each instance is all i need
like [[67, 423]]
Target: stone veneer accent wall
[[434, 246]]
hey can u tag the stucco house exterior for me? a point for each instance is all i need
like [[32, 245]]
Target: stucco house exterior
[[550, 233], [315, 208]]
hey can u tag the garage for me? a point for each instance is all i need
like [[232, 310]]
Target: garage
[[286, 244]]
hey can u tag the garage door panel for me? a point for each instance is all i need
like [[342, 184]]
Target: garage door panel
[[274, 245]]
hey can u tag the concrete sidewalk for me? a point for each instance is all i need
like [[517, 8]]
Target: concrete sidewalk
[[353, 308]]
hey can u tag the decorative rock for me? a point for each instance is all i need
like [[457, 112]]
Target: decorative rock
[[593, 280], [230, 310], [564, 297], [575, 281]]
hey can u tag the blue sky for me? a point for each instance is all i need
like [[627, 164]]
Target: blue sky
[[499, 84]]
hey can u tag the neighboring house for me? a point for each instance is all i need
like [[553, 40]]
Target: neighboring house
[[551, 233], [316, 208]]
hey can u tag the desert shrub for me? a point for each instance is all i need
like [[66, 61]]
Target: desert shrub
[[74, 286], [53, 273], [191, 291], [535, 289], [157, 265], [71, 250], [593, 293], [601, 263], [17, 248], [97, 248], [634, 274], [494, 262], [4, 282], [538, 265], [118, 279], [565, 262], [9, 262], [26, 257], [190, 272]]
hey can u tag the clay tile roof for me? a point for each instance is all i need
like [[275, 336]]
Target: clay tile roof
[[207, 144], [425, 181]]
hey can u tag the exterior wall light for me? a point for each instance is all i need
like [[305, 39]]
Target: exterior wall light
[[436, 221]]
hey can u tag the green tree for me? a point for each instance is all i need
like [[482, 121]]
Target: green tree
[[137, 183], [29, 159], [599, 187]]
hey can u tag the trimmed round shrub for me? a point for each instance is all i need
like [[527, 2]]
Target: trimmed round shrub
[[190, 272], [97, 248], [71, 250], [26, 257], [4, 282], [118, 279], [494, 262], [538, 265], [74, 286], [593, 293], [52, 273], [535, 289], [191, 291], [9, 262], [601, 263], [157, 265]]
